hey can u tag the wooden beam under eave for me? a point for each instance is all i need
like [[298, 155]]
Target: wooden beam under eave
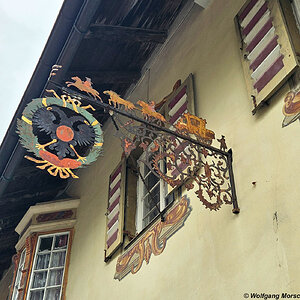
[[121, 33], [9, 241], [6, 254], [17, 208], [41, 194], [4, 267], [106, 77], [10, 218]]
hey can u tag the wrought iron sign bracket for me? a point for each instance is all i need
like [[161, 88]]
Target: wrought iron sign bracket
[[178, 135], [236, 209], [183, 148]]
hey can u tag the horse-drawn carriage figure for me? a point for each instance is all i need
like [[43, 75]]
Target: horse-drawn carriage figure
[[190, 124]]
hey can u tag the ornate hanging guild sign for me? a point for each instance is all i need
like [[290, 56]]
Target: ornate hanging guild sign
[[61, 134], [64, 136]]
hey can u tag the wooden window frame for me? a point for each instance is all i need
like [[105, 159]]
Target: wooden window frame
[[30, 250], [70, 233], [18, 277], [142, 192]]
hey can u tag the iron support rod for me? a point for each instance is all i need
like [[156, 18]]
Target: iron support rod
[[235, 209], [107, 107], [114, 121]]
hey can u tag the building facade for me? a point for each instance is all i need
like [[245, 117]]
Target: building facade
[[205, 253]]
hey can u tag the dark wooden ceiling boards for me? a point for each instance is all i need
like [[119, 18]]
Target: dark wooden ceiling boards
[[121, 38], [111, 33]]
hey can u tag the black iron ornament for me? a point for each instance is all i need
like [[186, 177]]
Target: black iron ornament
[[65, 129], [199, 167]]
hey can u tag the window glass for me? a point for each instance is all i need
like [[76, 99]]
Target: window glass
[[53, 293], [45, 244], [37, 295], [151, 195], [39, 279], [42, 261], [55, 277], [58, 259], [61, 241], [150, 210], [151, 180]]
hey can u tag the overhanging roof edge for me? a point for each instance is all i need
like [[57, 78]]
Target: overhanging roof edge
[[74, 15]]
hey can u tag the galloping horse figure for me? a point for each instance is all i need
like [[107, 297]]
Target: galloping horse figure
[[148, 111], [117, 101], [85, 86]]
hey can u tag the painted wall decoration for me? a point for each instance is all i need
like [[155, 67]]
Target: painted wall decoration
[[153, 241], [291, 107], [58, 215], [61, 134]]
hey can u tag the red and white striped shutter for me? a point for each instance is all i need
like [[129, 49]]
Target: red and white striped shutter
[[115, 210], [268, 56], [180, 101]]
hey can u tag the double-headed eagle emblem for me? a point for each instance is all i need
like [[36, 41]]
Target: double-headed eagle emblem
[[61, 133]]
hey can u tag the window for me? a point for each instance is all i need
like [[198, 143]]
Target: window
[[17, 284], [129, 207], [46, 233], [48, 267], [269, 42], [296, 11], [151, 194]]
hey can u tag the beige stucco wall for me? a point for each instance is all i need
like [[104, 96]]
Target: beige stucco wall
[[216, 255]]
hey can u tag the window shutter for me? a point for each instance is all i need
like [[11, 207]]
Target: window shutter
[[267, 55], [180, 101], [115, 210], [131, 195]]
